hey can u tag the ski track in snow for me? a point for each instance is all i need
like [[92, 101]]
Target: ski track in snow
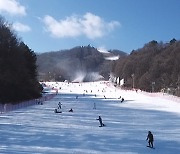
[[37, 129]]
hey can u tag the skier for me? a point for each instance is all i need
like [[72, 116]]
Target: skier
[[150, 139], [59, 105], [100, 121]]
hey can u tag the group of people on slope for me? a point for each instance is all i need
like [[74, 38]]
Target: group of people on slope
[[58, 110], [150, 137]]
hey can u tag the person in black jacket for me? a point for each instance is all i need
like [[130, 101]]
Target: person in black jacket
[[100, 121], [71, 110], [122, 100], [59, 105], [150, 139]]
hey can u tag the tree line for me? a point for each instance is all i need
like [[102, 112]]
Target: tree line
[[18, 70], [154, 67]]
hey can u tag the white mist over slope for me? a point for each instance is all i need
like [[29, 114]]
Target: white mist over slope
[[37, 129], [82, 76], [112, 58]]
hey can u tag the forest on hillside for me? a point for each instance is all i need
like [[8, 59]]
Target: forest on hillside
[[155, 67], [18, 70], [78, 61]]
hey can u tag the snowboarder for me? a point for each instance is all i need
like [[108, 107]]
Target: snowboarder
[[100, 121], [150, 139], [57, 111], [71, 110]]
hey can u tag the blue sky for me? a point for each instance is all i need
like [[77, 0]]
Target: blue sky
[[51, 25]]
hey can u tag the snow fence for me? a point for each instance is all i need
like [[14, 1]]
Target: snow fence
[[11, 107]]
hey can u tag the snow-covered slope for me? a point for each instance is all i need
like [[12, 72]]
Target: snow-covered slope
[[37, 129]]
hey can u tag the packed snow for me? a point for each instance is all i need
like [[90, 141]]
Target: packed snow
[[38, 129]]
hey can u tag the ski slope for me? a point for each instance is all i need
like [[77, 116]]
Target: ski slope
[[37, 129]]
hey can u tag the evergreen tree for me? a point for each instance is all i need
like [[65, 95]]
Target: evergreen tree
[[18, 74]]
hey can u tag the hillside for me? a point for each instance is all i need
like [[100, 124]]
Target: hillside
[[83, 63], [154, 67]]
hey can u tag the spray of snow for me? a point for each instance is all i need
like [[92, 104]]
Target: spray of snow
[[81, 76], [112, 58]]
